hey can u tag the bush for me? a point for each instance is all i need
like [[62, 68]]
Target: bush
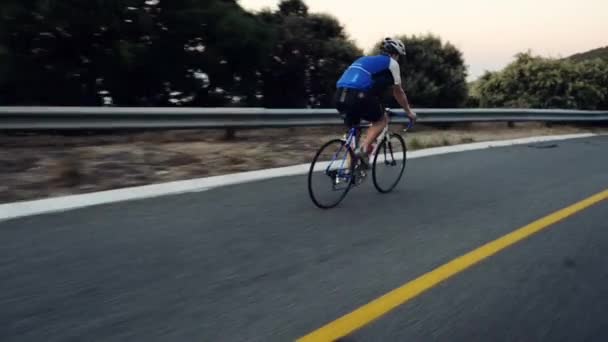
[[537, 82]]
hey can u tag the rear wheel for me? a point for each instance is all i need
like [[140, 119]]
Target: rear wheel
[[389, 163], [331, 174]]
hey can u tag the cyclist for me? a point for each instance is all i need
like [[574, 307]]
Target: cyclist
[[361, 86]]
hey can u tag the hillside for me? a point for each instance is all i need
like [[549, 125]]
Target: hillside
[[591, 54]]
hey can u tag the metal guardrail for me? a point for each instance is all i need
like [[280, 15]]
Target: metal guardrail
[[95, 118]]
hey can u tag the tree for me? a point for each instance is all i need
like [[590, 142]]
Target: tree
[[293, 7], [195, 53], [433, 72], [134, 52], [310, 52]]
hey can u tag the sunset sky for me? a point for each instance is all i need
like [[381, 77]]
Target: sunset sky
[[488, 32]]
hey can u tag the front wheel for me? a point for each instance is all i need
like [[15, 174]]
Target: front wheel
[[331, 174], [389, 162]]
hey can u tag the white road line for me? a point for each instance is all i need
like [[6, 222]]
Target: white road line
[[42, 206]]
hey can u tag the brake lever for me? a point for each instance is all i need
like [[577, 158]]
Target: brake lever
[[409, 125], [390, 113]]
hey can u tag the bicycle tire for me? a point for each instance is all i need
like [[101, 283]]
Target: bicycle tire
[[386, 144], [311, 171]]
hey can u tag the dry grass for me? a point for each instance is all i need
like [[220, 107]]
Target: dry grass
[[39, 166], [66, 172], [485, 132]]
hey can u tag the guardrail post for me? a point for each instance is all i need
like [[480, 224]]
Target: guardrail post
[[230, 134]]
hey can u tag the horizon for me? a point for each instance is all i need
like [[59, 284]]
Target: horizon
[[568, 28]]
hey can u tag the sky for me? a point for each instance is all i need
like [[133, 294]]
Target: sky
[[488, 32]]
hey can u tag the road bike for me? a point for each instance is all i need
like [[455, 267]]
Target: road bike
[[389, 152]]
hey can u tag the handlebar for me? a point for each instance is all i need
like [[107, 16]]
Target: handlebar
[[390, 113]]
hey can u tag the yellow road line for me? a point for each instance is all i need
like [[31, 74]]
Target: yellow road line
[[373, 310]]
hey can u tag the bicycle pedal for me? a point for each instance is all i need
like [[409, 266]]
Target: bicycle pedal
[[360, 177]]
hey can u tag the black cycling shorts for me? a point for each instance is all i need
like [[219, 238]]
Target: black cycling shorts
[[355, 105]]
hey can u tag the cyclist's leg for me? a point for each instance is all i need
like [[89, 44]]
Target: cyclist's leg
[[351, 120], [348, 108], [378, 119]]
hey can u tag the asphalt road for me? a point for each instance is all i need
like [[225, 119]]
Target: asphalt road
[[258, 262]]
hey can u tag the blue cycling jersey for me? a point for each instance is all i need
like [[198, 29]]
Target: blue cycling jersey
[[371, 73]]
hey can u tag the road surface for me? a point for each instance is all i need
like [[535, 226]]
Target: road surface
[[258, 262]]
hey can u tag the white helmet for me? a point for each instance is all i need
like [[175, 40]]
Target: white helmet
[[391, 45]]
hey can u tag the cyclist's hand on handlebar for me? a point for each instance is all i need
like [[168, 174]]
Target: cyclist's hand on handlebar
[[413, 116]]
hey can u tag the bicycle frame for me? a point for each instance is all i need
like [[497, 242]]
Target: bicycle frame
[[352, 140]]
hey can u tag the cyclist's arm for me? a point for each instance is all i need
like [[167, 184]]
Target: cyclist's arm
[[398, 92], [400, 96]]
